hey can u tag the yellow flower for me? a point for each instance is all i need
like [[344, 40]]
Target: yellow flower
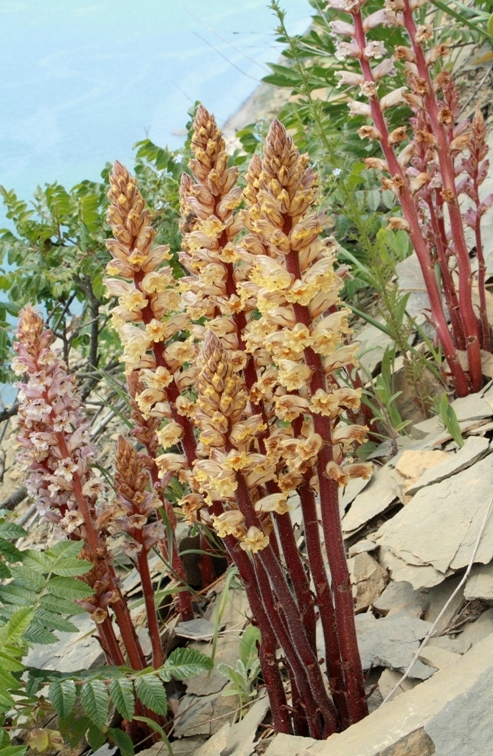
[[273, 503], [157, 281], [341, 357], [159, 378], [271, 275], [229, 523], [289, 407], [293, 375], [156, 330], [170, 462], [254, 540], [324, 404], [134, 301], [169, 435], [328, 333]]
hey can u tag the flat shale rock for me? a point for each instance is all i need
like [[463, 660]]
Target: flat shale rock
[[437, 530], [401, 597], [437, 657], [381, 491], [74, 651], [480, 583], [368, 579], [465, 725], [389, 679], [403, 727], [372, 345], [413, 463], [391, 642], [474, 448]]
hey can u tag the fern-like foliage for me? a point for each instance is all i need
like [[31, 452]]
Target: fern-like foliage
[[38, 595]]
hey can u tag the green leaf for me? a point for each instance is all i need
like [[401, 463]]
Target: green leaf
[[69, 588], [65, 549], [10, 663], [74, 728], [71, 567], [54, 621], [6, 700], [10, 530], [59, 605], [94, 697], [122, 695], [62, 695], [37, 634], [17, 625], [4, 571], [248, 645], [28, 578], [10, 551], [154, 726], [8, 681], [36, 560], [95, 737], [183, 663], [150, 690], [13, 751], [17, 594], [122, 740]]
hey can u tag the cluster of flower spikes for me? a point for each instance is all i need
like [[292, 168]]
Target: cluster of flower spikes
[[56, 449], [252, 274], [424, 174]]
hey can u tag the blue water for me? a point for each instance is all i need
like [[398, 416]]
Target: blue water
[[83, 80]]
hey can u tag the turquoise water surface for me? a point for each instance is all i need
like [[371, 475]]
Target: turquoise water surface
[[83, 80]]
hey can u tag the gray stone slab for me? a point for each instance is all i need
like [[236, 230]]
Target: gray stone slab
[[480, 583], [381, 491], [397, 728], [241, 736], [401, 597], [472, 407], [74, 651], [391, 642], [365, 545], [465, 725], [474, 448], [227, 652], [440, 525]]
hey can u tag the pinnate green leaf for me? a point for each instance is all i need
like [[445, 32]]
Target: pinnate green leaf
[[36, 560], [54, 621], [183, 663], [13, 751], [59, 605], [17, 625], [17, 594], [121, 740], [71, 567], [95, 737], [62, 694], [10, 530], [150, 690], [122, 695], [69, 588], [94, 697], [65, 549]]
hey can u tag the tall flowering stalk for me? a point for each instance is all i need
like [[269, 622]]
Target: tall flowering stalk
[[250, 352], [443, 159], [57, 452]]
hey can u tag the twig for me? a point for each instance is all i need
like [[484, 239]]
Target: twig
[[433, 627], [9, 412], [15, 498]]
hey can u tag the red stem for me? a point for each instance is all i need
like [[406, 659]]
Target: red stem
[[456, 225], [150, 604], [415, 234]]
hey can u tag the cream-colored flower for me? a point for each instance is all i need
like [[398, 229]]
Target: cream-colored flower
[[169, 435], [230, 522], [293, 375], [156, 330], [276, 502], [254, 540]]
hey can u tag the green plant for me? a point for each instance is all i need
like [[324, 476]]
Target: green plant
[[449, 419], [243, 676], [41, 594]]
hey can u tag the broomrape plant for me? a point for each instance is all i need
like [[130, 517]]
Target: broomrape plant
[[443, 159], [237, 364]]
